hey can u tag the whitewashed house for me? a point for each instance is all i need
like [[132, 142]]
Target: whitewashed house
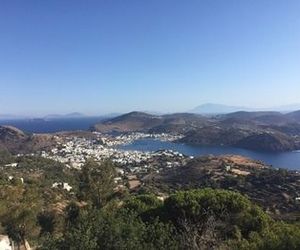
[[5, 243]]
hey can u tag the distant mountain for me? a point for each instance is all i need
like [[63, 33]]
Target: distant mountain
[[7, 117], [64, 116], [211, 108], [286, 108], [74, 115]]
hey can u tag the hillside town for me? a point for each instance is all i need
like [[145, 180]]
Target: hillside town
[[132, 165]]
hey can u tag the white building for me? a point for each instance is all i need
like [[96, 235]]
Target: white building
[[5, 243]]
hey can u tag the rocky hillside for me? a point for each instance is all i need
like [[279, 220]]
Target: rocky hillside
[[262, 131], [16, 141], [250, 177], [294, 116], [143, 122], [249, 138], [272, 141], [264, 117], [134, 121]]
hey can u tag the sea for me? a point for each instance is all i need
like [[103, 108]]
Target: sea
[[53, 125], [289, 160]]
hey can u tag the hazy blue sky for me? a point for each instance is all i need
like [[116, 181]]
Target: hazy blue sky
[[115, 56]]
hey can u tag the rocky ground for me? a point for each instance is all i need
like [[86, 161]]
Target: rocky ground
[[276, 190]]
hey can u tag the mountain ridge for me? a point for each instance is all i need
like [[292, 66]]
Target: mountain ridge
[[16, 141], [215, 108], [261, 131]]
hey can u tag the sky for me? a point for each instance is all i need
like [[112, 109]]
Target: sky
[[106, 56]]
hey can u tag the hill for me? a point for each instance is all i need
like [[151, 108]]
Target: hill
[[253, 178], [212, 108], [261, 131], [64, 116], [246, 115], [248, 138], [143, 122], [134, 121], [294, 116], [258, 117], [268, 141], [16, 141]]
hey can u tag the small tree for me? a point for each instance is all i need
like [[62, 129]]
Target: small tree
[[46, 221], [96, 182], [72, 213], [19, 217], [207, 217]]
